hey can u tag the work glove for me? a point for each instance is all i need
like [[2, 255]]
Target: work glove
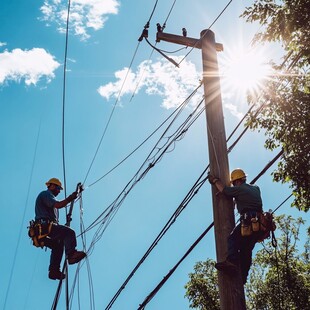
[[212, 179]]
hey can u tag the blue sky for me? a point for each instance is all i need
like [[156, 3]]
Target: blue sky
[[103, 36]]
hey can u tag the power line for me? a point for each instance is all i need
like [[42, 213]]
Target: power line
[[198, 41], [154, 157], [24, 214], [194, 190], [111, 114], [147, 138], [151, 54], [118, 96], [169, 274], [65, 269], [64, 98]]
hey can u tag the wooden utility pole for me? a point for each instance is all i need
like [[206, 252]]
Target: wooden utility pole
[[230, 287]]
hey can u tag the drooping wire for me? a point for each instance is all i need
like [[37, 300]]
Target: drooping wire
[[147, 138], [154, 156]]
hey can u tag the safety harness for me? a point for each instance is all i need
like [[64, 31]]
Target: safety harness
[[38, 232]]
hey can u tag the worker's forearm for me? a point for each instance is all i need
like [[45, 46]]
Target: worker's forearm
[[61, 204]]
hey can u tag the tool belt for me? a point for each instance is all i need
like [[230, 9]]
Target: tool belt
[[38, 231], [260, 223]]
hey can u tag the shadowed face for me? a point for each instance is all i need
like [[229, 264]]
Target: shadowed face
[[55, 189]]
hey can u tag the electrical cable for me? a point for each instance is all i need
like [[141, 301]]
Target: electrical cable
[[152, 158], [65, 269], [151, 54], [112, 209], [64, 99], [165, 22], [118, 97], [199, 40], [111, 114], [147, 138], [24, 214], [194, 190], [169, 274]]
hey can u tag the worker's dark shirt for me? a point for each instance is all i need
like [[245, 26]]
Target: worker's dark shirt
[[247, 197], [44, 208]]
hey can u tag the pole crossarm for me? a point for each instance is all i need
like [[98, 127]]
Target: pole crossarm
[[187, 41]]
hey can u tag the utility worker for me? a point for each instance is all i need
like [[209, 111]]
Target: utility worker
[[242, 239], [60, 237]]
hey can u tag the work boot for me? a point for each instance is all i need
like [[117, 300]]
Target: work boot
[[56, 275], [75, 257], [227, 265]]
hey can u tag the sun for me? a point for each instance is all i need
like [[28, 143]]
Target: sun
[[245, 71]]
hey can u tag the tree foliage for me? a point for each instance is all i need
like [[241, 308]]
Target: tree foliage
[[202, 289], [283, 109], [279, 279]]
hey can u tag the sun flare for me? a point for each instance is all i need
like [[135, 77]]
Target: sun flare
[[245, 71]]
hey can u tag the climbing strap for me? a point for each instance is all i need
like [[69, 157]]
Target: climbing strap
[[38, 232]]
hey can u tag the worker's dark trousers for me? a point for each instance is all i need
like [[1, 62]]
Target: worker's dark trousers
[[240, 250], [63, 237]]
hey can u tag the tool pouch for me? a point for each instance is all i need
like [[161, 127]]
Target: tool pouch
[[38, 232], [246, 228], [255, 224]]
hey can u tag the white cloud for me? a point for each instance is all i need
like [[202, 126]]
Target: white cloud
[[158, 78], [84, 14], [30, 65], [233, 110], [2, 44]]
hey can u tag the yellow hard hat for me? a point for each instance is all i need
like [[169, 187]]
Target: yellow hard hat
[[237, 174], [54, 181]]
